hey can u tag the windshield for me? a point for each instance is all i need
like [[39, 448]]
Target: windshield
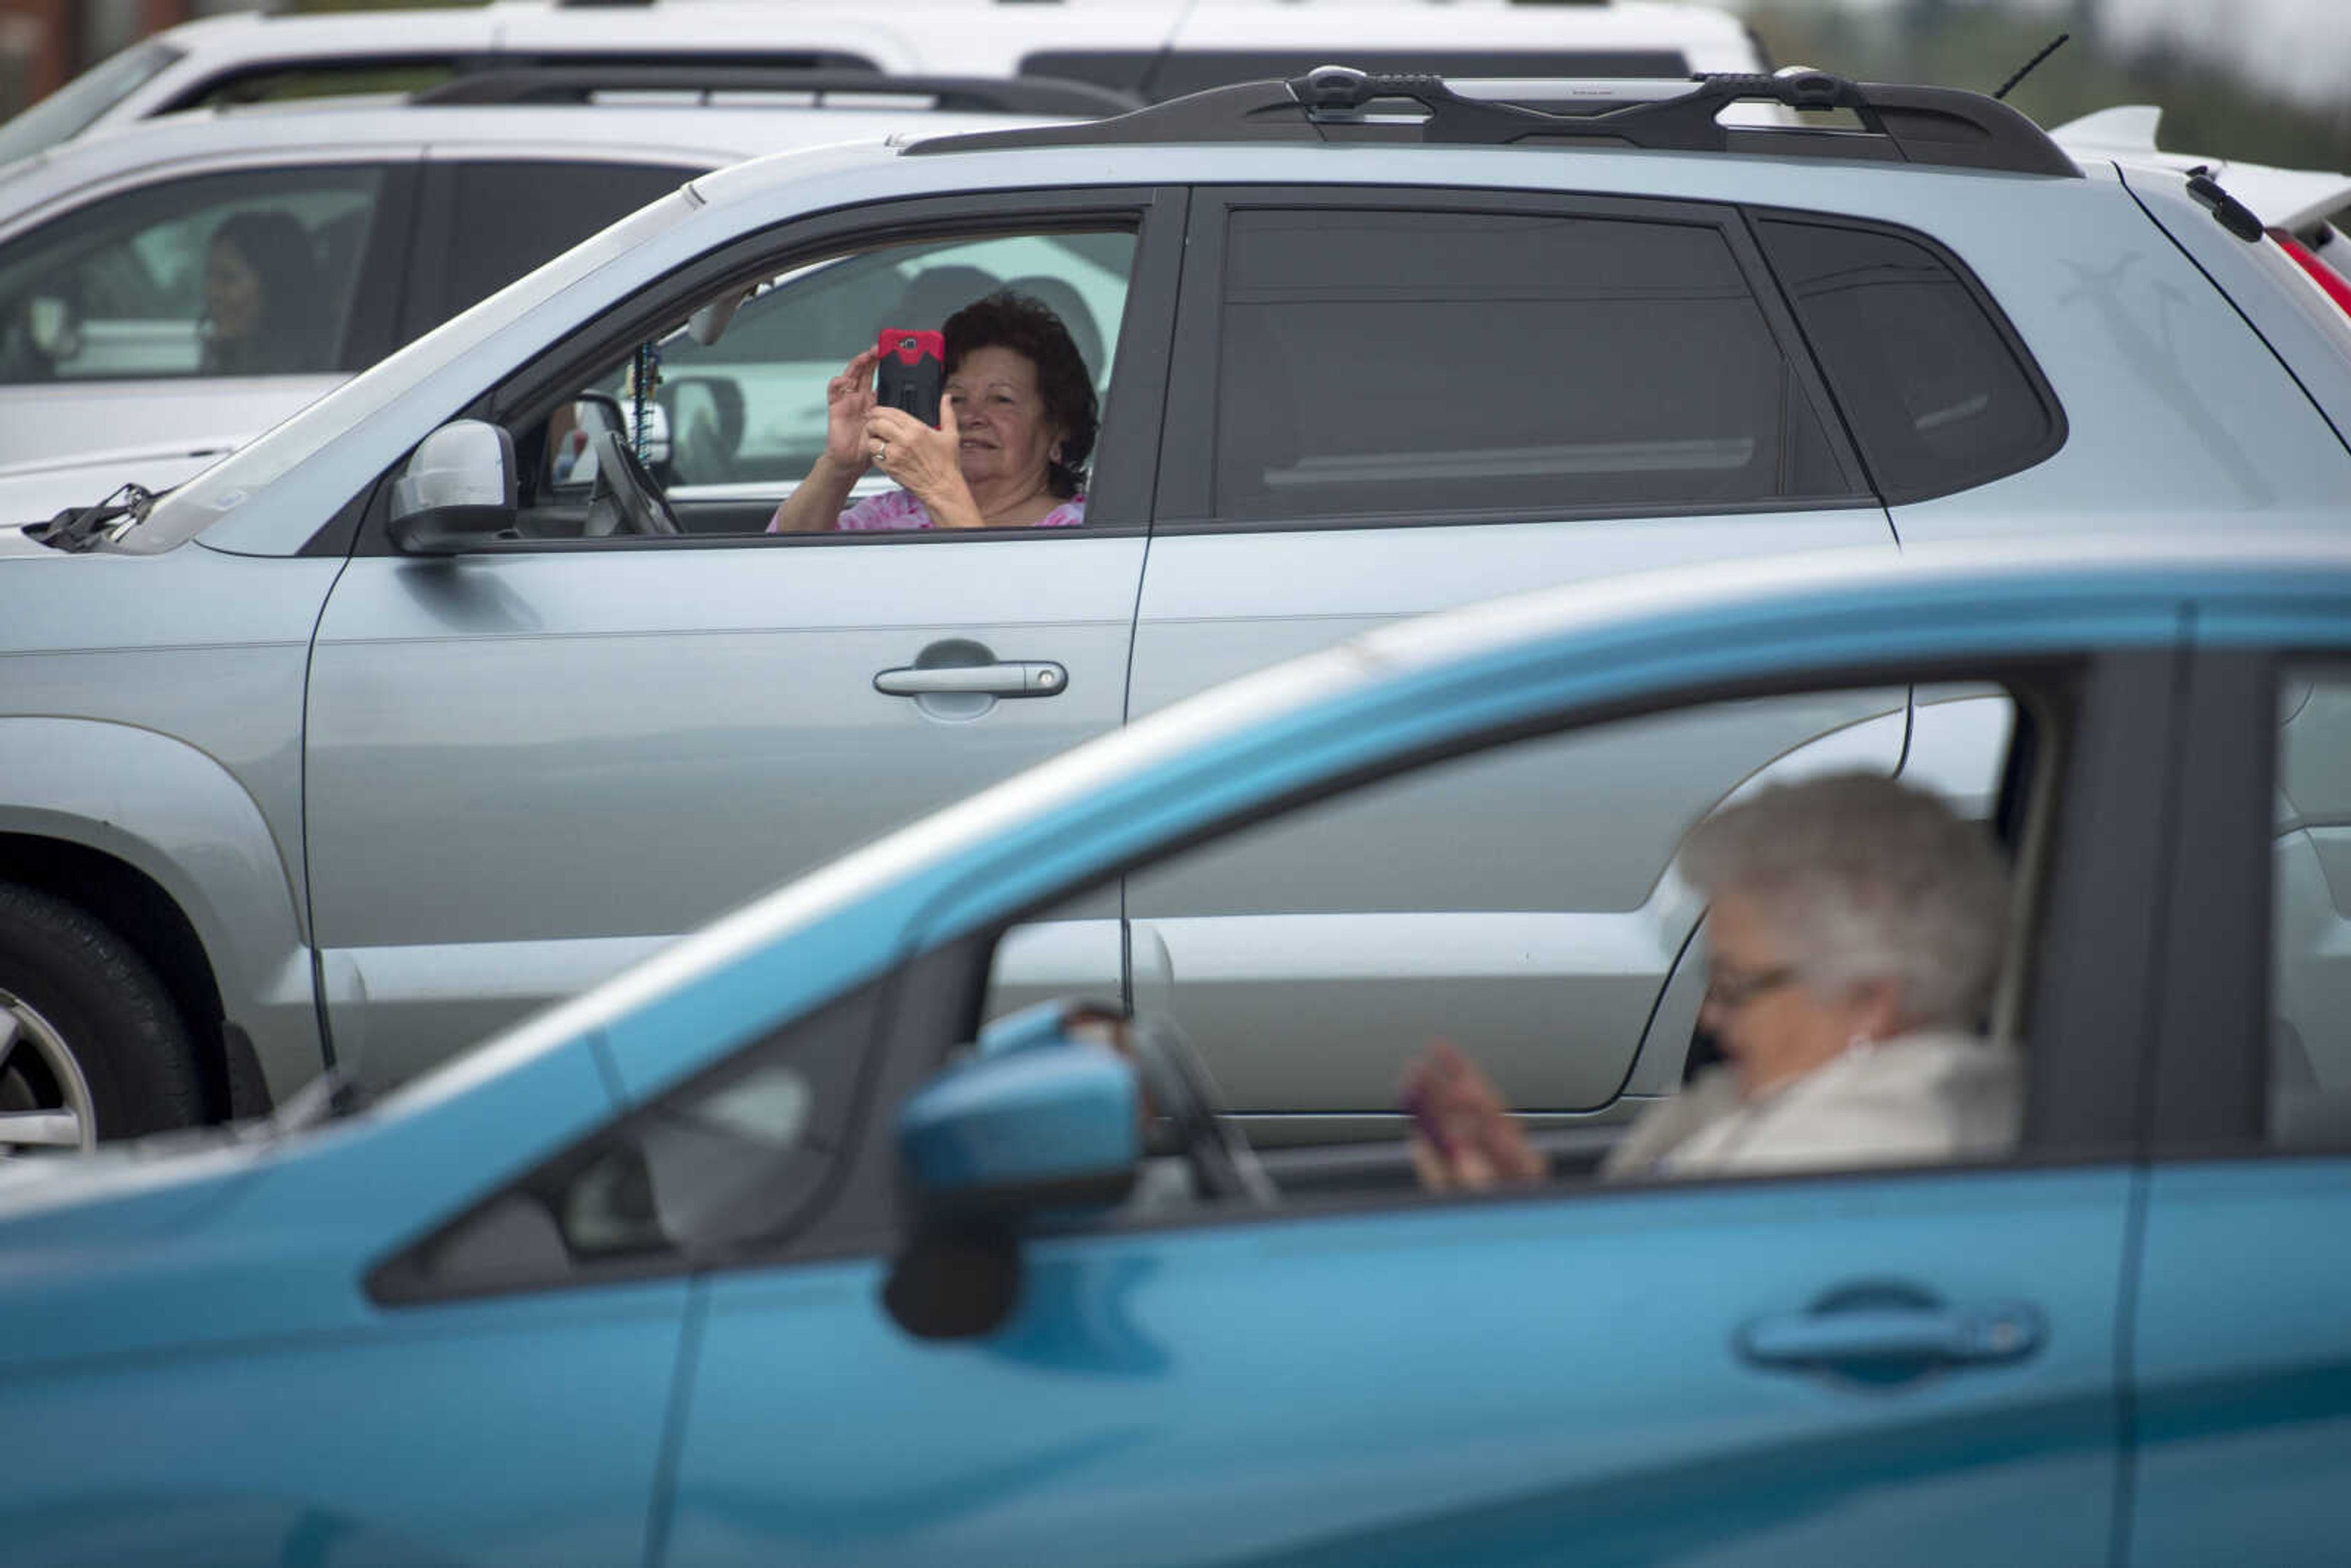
[[195, 506], [68, 112]]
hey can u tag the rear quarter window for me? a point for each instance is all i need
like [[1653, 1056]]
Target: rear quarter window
[[510, 217], [1936, 390]]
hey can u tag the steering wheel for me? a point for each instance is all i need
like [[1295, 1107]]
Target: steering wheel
[[1181, 1090], [626, 487]]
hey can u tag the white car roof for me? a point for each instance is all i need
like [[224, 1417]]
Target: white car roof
[[2282, 198], [706, 136], [961, 37]]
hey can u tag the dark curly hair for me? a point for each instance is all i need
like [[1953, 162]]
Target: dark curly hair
[[1005, 319]]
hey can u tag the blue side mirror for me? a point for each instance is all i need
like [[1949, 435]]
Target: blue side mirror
[[1054, 1125]]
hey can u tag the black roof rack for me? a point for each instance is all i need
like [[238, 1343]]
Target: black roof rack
[[1898, 124], [580, 83]]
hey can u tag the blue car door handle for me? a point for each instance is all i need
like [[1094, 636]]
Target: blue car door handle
[[1886, 1336], [1033, 678]]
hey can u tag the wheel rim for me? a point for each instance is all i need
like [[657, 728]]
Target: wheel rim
[[44, 1098]]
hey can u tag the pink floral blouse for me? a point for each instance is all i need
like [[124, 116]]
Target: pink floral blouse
[[897, 511]]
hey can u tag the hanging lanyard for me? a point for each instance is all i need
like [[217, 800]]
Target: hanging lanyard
[[644, 377]]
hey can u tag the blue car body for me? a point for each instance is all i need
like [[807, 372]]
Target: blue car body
[[200, 1363]]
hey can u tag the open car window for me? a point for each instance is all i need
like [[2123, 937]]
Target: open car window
[[1525, 903], [733, 413], [249, 274]]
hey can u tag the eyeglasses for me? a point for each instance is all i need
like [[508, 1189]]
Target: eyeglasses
[[1729, 990]]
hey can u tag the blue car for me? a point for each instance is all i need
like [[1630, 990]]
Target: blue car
[[817, 1239]]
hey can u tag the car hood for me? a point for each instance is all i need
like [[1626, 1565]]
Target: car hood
[[31, 492], [129, 1191], [12, 542], [145, 1248]]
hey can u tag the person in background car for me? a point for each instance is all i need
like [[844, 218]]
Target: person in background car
[[1854, 930], [1016, 426], [261, 299]]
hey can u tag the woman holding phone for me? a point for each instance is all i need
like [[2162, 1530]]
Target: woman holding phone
[[1016, 426], [1855, 934]]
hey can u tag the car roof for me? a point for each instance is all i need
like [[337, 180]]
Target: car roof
[[1599, 641], [746, 23], [981, 37], [261, 35], [702, 135]]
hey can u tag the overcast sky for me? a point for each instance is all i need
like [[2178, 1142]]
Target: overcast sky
[[2304, 46]]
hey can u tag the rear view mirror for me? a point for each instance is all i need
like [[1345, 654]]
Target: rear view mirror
[[457, 491], [709, 324], [571, 433], [52, 325]]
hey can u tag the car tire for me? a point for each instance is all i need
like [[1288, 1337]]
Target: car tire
[[89, 1032]]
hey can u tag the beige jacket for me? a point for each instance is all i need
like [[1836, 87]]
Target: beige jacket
[[1919, 1099]]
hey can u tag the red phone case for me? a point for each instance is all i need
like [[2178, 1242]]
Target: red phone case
[[914, 371]]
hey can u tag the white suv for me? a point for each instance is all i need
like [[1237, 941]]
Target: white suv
[[380, 223], [1155, 49]]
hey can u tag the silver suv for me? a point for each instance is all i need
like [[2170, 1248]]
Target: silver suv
[[299, 769]]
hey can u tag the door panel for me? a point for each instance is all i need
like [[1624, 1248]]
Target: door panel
[[535, 763], [2242, 1398], [2242, 1362], [1469, 1385], [366, 1447]]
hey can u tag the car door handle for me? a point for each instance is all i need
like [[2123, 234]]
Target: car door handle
[[1034, 678], [1888, 1336]]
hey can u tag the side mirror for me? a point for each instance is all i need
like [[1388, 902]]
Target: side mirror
[[994, 1140], [1050, 1126], [457, 491], [705, 427]]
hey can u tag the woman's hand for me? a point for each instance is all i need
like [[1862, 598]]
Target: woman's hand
[[925, 462], [1464, 1139], [848, 399]]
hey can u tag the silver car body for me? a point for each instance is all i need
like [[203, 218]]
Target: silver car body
[[418, 797]]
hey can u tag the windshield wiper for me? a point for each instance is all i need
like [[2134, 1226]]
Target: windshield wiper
[[80, 527]]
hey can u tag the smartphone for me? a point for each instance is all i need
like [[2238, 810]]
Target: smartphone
[[914, 374]]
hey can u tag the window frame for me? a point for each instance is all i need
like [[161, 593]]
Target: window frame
[[529, 392], [1186, 503], [2210, 1093], [1907, 495]]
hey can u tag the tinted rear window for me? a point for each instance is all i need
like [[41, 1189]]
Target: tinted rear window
[[1383, 363], [1937, 396], [1158, 76], [510, 217]]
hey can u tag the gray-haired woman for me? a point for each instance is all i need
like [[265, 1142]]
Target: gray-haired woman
[[1854, 930]]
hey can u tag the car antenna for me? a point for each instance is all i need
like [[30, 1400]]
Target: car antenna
[[2028, 68]]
